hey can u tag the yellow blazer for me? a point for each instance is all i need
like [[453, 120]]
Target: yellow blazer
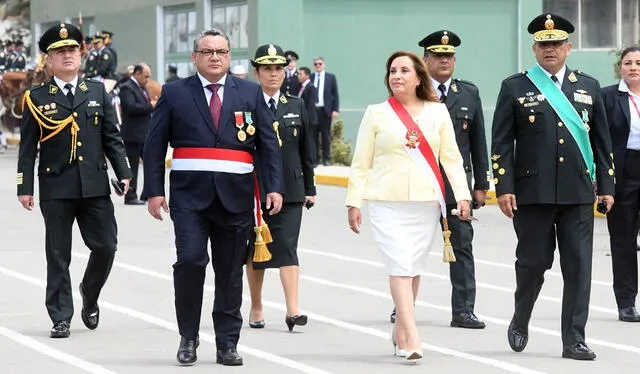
[[383, 170]]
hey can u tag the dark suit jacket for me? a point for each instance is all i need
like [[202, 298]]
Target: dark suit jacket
[[297, 150], [465, 109], [290, 86], [62, 176], [136, 112], [616, 105], [182, 118], [331, 97], [308, 95], [545, 165]]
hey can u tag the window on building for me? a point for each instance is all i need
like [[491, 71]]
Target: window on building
[[179, 33], [232, 17], [600, 24]]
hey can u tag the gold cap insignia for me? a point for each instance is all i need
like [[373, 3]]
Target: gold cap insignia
[[549, 24], [63, 33], [445, 39], [272, 50]]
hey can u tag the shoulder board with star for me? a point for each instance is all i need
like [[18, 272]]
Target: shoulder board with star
[[38, 87], [517, 75], [583, 74], [292, 97]]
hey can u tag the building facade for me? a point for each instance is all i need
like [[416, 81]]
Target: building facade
[[354, 36]]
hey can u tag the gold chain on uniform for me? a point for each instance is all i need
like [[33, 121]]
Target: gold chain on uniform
[[53, 125]]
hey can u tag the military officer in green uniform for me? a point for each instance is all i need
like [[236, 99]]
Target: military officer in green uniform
[[91, 62], [551, 147], [106, 66], [73, 121], [294, 138]]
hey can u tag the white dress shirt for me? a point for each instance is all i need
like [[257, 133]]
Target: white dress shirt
[[275, 98], [559, 75], [303, 86], [435, 85], [319, 84], [633, 142], [60, 83], [207, 92]]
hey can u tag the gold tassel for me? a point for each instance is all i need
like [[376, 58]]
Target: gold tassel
[[447, 251], [261, 252], [266, 233]]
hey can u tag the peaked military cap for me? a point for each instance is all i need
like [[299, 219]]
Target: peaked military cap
[[107, 34], [442, 41], [60, 35], [291, 55], [269, 54], [19, 43], [550, 27], [98, 36]]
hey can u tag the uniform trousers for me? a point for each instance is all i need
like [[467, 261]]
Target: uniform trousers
[[622, 221], [228, 233], [324, 130], [98, 228], [537, 227], [462, 271]]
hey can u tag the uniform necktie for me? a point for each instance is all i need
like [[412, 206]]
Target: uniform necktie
[[69, 88], [443, 91], [555, 80], [272, 106], [215, 105]]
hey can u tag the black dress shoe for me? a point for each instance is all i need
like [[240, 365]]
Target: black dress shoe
[[228, 357], [256, 324], [134, 202], [187, 351], [90, 313], [60, 329], [297, 320], [392, 317], [518, 336], [628, 314], [578, 351], [467, 320]]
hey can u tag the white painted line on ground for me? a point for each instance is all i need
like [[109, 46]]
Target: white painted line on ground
[[169, 325], [53, 353], [557, 300], [506, 366]]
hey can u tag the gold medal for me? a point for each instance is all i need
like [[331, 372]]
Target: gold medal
[[242, 136], [251, 130], [295, 132]]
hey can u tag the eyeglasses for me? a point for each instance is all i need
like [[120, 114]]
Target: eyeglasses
[[317, 63], [213, 52]]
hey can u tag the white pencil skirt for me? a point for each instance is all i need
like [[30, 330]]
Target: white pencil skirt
[[406, 231]]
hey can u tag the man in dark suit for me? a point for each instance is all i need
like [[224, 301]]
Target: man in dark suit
[[550, 146], [137, 107], [327, 105], [291, 84], [215, 124], [307, 93], [465, 108], [73, 121]]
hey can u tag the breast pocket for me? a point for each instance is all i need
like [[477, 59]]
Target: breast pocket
[[533, 121], [95, 116], [292, 127], [464, 119]]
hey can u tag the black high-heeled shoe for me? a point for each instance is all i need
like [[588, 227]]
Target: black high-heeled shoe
[[257, 324], [299, 320]]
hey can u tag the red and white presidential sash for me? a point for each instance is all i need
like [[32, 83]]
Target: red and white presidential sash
[[419, 150]]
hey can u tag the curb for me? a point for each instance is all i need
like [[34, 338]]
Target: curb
[[333, 180]]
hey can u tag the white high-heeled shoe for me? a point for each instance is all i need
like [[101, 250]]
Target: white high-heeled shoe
[[397, 352], [414, 356]]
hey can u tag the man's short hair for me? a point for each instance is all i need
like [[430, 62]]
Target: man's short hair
[[138, 68], [306, 70]]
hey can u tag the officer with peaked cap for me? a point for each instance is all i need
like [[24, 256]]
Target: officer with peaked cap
[[291, 86], [551, 144], [108, 42], [465, 108], [296, 145], [72, 121]]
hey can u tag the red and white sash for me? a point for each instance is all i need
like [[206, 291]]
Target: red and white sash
[[218, 160], [419, 150]]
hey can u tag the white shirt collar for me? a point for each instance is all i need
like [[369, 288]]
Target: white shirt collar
[[559, 75], [205, 81], [622, 86], [435, 85], [135, 80], [61, 83], [267, 97]]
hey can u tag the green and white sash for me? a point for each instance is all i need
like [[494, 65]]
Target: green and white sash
[[566, 112]]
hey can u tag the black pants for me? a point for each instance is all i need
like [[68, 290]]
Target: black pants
[[228, 233], [98, 228], [537, 228], [462, 271], [622, 221], [324, 130], [134, 154]]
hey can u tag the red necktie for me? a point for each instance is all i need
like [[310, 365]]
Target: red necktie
[[215, 105], [144, 93]]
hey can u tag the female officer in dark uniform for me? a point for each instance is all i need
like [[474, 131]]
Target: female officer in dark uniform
[[291, 126]]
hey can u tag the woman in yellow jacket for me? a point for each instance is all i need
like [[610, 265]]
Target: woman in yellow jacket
[[402, 198]]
